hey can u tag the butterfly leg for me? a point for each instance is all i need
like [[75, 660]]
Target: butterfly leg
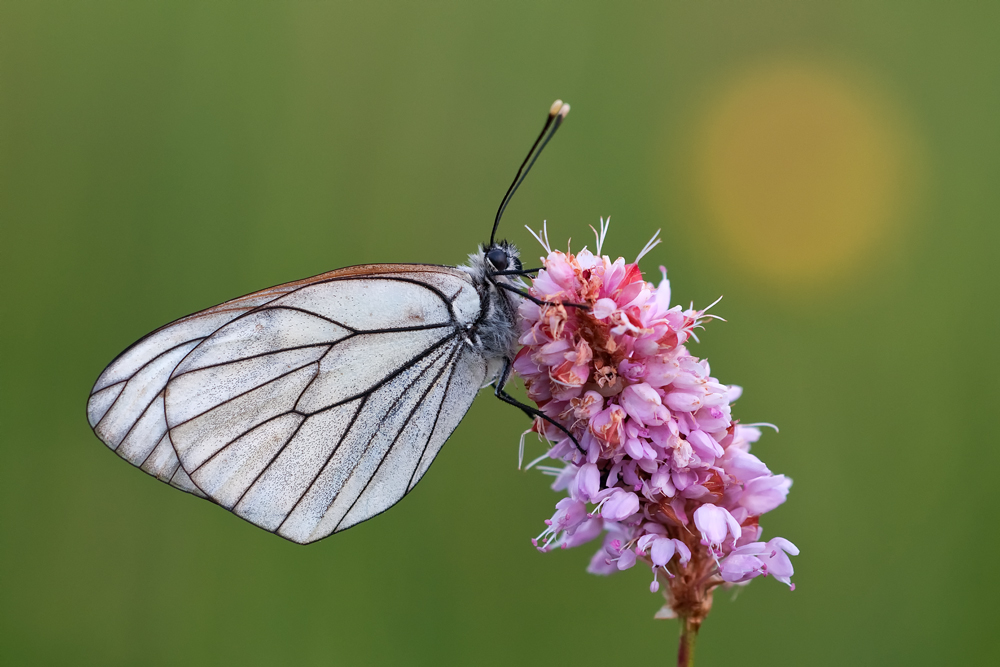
[[499, 392], [534, 299], [516, 272]]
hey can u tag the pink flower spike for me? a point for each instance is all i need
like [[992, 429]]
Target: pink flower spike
[[656, 452]]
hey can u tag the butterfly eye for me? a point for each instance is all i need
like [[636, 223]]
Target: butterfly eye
[[498, 258]]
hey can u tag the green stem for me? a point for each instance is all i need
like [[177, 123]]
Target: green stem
[[685, 648]]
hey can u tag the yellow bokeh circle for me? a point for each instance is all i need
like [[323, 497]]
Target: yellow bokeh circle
[[800, 171]]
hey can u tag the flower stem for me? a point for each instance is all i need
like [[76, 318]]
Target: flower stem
[[685, 648]]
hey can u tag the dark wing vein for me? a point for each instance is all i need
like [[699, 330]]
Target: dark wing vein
[[267, 306], [265, 354], [153, 448], [437, 417]]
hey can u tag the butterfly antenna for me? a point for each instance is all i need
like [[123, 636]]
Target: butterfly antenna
[[557, 112]]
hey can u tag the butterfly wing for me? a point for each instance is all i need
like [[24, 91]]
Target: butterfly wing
[[305, 408], [125, 408]]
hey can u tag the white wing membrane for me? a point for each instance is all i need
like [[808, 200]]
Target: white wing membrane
[[226, 475], [201, 437], [306, 408], [371, 304]]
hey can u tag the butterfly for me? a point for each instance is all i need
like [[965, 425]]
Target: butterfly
[[309, 407]]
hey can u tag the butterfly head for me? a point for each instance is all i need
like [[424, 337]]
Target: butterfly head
[[501, 256]]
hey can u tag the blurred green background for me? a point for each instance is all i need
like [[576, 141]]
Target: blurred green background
[[831, 168]]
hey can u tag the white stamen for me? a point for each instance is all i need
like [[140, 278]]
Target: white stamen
[[542, 237], [597, 508], [549, 470], [605, 225], [705, 310], [520, 449], [540, 458], [653, 242], [763, 424]]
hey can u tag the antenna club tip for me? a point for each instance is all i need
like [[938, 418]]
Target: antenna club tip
[[559, 108]]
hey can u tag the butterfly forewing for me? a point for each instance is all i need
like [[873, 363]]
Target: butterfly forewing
[[305, 408]]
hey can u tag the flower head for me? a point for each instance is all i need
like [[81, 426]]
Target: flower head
[[656, 461]]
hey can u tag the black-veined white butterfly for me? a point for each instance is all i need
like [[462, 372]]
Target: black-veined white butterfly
[[309, 407]]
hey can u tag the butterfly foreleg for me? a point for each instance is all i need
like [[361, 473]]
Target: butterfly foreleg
[[536, 300], [516, 272], [499, 392]]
